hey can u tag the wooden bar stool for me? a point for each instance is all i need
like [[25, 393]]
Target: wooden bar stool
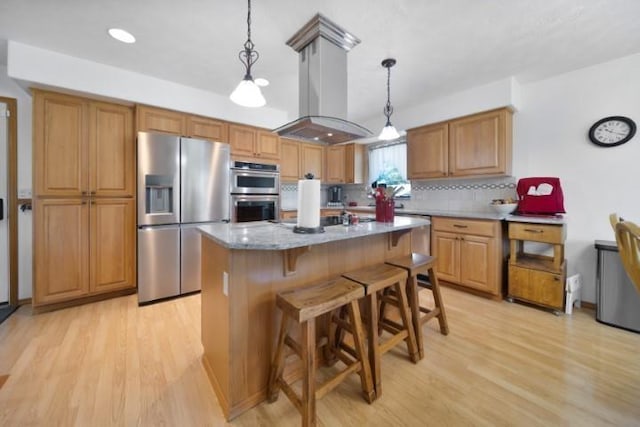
[[305, 306], [421, 270], [375, 280]]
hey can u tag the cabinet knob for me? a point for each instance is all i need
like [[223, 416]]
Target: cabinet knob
[[84, 193], [93, 193], [460, 226]]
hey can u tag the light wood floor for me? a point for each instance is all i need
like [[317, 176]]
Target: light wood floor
[[114, 363]]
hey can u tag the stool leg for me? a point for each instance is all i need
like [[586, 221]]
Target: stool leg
[[407, 322], [309, 367], [278, 361], [437, 298], [366, 380], [414, 305], [374, 348]]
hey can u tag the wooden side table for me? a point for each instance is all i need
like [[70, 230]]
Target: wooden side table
[[534, 278]]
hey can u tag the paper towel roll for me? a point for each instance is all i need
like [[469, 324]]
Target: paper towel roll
[[309, 203]]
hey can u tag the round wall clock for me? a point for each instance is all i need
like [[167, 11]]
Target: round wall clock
[[612, 131]]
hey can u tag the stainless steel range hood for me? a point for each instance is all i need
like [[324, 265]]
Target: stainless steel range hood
[[323, 48]]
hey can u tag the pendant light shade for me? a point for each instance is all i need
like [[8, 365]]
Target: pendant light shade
[[247, 93], [389, 132]]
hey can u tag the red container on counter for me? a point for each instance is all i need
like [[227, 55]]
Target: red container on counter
[[385, 210]]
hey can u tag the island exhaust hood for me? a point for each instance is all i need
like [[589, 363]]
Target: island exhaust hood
[[323, 48]]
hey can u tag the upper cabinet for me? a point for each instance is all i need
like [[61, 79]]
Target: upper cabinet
[[205, 128], [82, 147], [345, 164], [152, 119], [299, 158], [475, 145], [250, 142]]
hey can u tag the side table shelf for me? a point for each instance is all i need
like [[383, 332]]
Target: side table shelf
[[537, 279]]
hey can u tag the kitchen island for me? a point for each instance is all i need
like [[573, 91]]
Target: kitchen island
[[245, 265]]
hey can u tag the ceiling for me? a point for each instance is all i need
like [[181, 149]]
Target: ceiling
[[442, 46]]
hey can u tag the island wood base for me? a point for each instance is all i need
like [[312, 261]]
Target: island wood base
[[239, 318]]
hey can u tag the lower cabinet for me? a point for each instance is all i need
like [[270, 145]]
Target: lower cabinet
[[82, 247], [536, 286], [469, 253]]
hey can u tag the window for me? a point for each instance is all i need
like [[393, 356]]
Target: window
[[388, 165]]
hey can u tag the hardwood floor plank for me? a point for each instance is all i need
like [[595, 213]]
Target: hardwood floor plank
[[114, 363]]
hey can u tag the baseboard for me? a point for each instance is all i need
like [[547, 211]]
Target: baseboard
[[80, 301]]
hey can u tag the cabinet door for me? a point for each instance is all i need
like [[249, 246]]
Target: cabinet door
[[477, 258], [242, 140], [112, 245], [480, 144], [446, 248], [335, 164], [151, 119], [290, 160], [60, 145], [206, 128], [354, 164], [312, 160], [61, 250], [536, 286], [267, 145], [111, 150], [427, 151]]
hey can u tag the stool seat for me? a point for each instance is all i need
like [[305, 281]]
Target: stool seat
[[421, 274], [307, 303], [376, 280], [305, 306]]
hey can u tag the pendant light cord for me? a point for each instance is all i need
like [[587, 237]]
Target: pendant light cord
[[248, 56], [388, 109]]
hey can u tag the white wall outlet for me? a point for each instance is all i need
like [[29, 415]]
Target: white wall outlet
[[24, 193], [225, 283]]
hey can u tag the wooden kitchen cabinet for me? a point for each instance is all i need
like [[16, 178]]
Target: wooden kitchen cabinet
[[537, 278], [299, 158], [312, 160], [289, 160], [250, 142], [82, 147], [475, 145], [206, 128], [112, 243], [481, 144], [345, 164], [428, 151], [83, 247], [84, 198], [469, 253], [153, 119], [60, 250]]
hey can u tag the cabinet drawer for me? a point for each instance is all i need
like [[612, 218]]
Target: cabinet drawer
[[538, 287], [537, 232], [454, 225]]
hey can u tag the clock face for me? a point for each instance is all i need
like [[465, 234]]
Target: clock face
[[612, 131]]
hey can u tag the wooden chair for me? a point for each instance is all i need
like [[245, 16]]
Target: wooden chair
[[628, 239], [305, 306], [375, 279], [422, 275]]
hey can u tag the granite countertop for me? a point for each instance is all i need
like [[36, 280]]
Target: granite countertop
[[462, 214], [264, 235]]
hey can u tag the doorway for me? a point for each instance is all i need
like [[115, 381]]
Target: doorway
[[8, 208]]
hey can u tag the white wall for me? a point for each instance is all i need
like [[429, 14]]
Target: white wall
[[550, 139], [45, 68], [9, 89]]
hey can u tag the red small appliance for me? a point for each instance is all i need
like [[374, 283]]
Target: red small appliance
[[540, 196]]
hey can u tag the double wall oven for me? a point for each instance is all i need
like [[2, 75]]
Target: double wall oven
[[255, 192]]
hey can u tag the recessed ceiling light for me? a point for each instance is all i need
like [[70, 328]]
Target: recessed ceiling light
[[329, 134], [122, 35], [261, 81]]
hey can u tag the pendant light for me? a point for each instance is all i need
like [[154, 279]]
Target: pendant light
[[248, 93], [389, 132]]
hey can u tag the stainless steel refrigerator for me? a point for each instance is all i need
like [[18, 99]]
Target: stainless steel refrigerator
[[183, 183]]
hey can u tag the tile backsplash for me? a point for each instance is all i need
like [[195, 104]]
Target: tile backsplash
[[467, 195]]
